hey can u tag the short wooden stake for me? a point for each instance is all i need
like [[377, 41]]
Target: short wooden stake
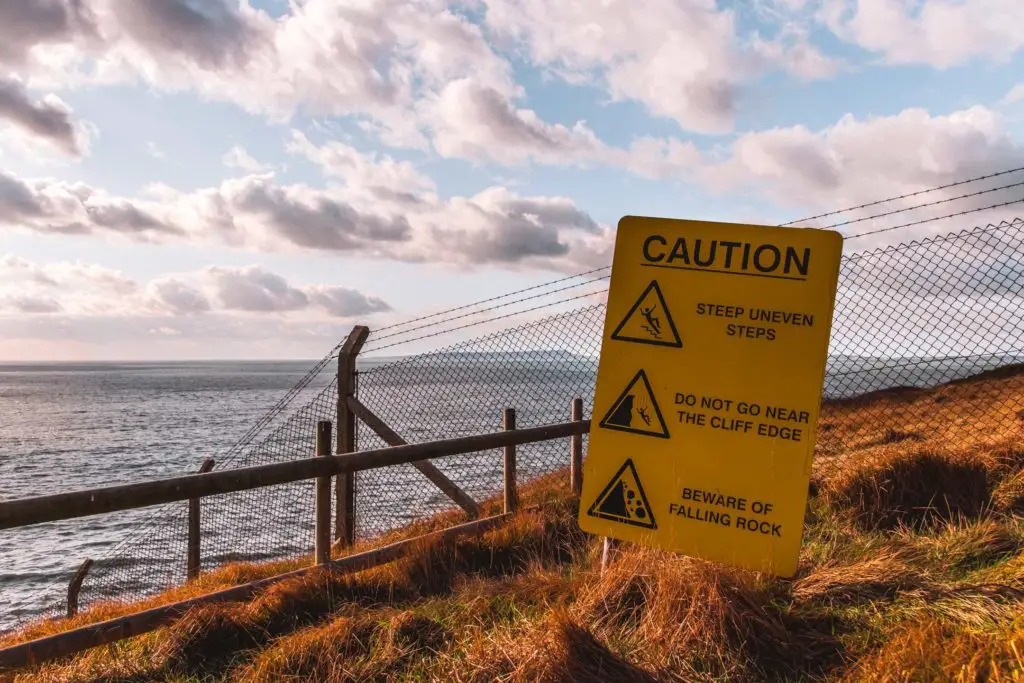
[[322, 538], [511, 498], [576, 451], [76, 586], [193, 558]]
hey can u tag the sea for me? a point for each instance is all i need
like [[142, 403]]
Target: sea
[[65, 427]]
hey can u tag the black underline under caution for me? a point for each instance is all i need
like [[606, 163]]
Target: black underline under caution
[[723, 272]]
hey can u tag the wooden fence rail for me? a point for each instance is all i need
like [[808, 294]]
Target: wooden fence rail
[[25, 511]]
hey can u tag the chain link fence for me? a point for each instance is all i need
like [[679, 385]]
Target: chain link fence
[[907, 317]]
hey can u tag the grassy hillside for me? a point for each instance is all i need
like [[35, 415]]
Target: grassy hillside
[[912, 569]]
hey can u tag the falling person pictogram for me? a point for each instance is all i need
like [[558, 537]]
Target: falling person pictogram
[[636, 410], [649, 321], [653, 324]]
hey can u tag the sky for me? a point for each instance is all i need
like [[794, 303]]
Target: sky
[[216, 179]]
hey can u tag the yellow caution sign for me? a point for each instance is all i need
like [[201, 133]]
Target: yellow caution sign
[[709, 388]]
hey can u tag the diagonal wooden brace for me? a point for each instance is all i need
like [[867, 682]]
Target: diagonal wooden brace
[[427, 468]]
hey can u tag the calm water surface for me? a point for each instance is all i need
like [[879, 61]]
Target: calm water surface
[[65, 427]]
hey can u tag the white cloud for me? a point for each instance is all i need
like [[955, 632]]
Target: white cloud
[[40, 127], [1016, 94], [90, 290], [65, 274], [678, 58], [940, 33], [683, 59], [793, 50], [379, 176], [237, 157], [385, 209], [153, 150], [324, 57], [475, 122], [345, 302], [176, 297], [27, 27], [471, 122], [22, 303], [408, 69], [860, 159], [255, 290], [857, 161]]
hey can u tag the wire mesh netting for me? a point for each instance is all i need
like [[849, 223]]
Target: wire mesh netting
[[907, 317], [537, 368]]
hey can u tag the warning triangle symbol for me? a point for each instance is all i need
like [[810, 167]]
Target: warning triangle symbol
[[623, 500], [649, 321], [636, 410]]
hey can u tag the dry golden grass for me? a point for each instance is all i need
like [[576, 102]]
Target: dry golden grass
[[912, 570], [934, 650]]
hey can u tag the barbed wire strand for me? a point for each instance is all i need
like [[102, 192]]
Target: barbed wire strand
[[493, 298], [907, 195], [936, 218], [966, 181], [489, 320], [927, 204], [493, 308], [555, 303]]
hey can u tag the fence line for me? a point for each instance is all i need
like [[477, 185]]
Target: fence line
[[915, 314], [191, 488]]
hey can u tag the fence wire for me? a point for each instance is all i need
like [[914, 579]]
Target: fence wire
[[907, 317]]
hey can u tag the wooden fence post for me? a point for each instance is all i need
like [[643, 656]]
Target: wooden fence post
[[345, 486], [576, 451], [75, 586], [511, 495], [193, 558], [322, 537]]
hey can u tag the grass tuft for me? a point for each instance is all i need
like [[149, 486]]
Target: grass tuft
[[918, 489]]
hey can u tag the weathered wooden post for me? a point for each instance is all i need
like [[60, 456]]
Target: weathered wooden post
[[193, 557], [576, 450], [511, 496], [322, 538], [345, 486], [76, 586]]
